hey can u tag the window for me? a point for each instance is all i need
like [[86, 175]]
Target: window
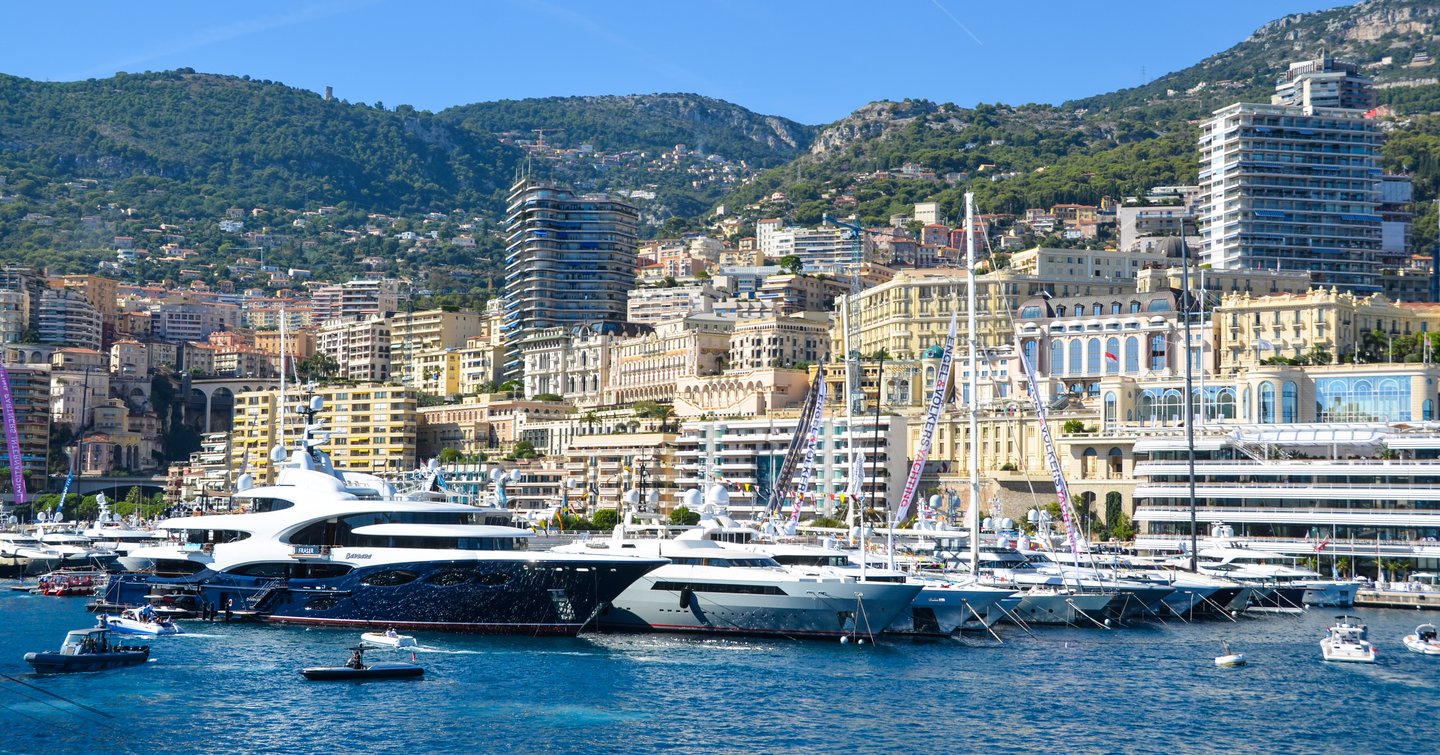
[[1132, 355], [1092, 357], [1031, 312], [1110, 404], [1114, 307], [390, 578], [1288, 402], [1079, 310], [1134, 307], [1267, 403], [1157, 353], [1075, 365], [1057, 357], [1159, 305], [1112, 356]]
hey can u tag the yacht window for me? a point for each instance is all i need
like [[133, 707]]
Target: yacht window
[[321, 604], [493, 578], [261, 505], [170, 567], [262, 569], [449, 577], [718, 587], [390, 578]]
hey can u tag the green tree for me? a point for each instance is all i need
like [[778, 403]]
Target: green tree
[[682, 515], [523, 449], [791, 264], [605, 519], [450, 455]]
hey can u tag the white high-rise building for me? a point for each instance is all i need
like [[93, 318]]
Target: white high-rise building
[[1295, 186]]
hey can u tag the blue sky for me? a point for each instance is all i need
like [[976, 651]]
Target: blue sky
[[811, 61]]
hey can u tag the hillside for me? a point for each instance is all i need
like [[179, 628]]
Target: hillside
[[1386, 37], [1114, 144], [221, 141], [628, 143]]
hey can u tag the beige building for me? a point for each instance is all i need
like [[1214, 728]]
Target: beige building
[[429, 332], [741, 392], [1252, 329], [485, 424], [1084, 263], [372, 428], [360, 346], [780, 341], [599, 469], [649, 366], [911, 313]]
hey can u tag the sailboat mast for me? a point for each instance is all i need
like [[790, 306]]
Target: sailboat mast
[[1187, 304], [971, 299], [851, 366], [280, 413]]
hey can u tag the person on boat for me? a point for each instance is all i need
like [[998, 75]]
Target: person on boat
[[391, 632], [355, 661]]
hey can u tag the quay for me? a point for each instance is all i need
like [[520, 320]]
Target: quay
[[1400, 595]]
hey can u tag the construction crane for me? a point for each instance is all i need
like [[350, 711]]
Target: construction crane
[[540, 142]]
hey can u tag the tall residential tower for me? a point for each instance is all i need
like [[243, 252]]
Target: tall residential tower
[[569, 260], [1295, 185]]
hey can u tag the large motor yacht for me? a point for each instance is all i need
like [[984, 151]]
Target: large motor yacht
[[24, 555], [325, 547], [709, 587], [945, 605]]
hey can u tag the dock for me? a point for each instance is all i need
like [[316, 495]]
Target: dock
[[1418, 599]]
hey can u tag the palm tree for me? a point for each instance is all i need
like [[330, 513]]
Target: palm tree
[[589, 419], [665, 414]]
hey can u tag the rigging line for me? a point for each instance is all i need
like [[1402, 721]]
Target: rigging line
[[58, 707], [37, 719]]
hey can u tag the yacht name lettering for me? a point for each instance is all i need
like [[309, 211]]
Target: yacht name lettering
[[358, 555]]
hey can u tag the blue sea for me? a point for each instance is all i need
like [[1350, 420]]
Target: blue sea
[[1150, 688]]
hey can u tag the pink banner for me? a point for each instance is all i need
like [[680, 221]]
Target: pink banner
[[12, 438], [927, 435]]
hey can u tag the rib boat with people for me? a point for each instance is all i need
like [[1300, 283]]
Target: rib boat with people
[[91, 649]]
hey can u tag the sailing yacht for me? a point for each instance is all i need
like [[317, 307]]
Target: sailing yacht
[[333, 548]]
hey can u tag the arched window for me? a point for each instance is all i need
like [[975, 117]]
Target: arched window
[[1117, 462], [1088, 461], [1245, 404], [1112, 355], [1427, 410], [1075, 359], [1132, 355], [1031, 347], [1057, 357], [1289, 402], [1110, 407], [1225, 404], [1159, 305], [1267, 403], [1157, 353], [1145, 412], [1172, 405], [1092, 357]]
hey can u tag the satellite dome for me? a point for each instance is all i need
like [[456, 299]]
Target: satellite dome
[[718, 496], [934, 352], [692, 499]]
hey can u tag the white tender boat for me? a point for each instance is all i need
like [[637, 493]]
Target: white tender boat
[[389, 639], [1347, 642], [1423, 640], [140, 621], [1229, 659]]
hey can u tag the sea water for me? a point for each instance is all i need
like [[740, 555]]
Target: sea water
[[1148, 688]]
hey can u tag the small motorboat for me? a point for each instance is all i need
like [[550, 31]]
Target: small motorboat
[[1347, 643], [389, 639], [355, 670], [141, 620], [88, 650], [1229, 659], [1423, 640]]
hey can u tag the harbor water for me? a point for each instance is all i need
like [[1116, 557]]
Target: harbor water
[[1145, 688]]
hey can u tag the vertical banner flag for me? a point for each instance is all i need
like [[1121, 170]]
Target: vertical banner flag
[[12, 438], [807, 469], [1061, 490], [937, 402]]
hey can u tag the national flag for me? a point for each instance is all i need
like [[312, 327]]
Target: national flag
[[1264, 344], [1111, 357], [1322, 545]]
